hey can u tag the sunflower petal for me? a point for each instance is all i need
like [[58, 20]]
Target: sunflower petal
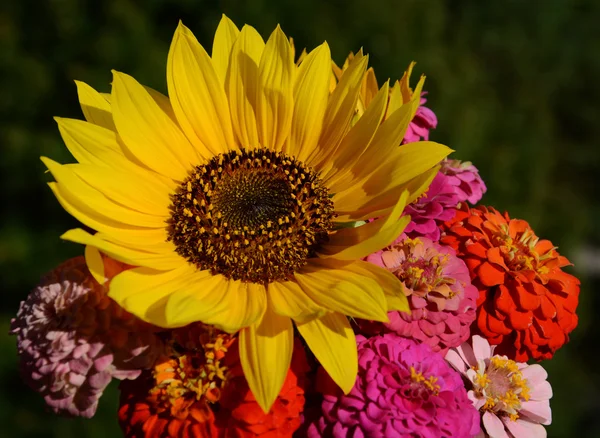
[[93, 144], [123, 253], [145, 195], [380, 205], [375, 191], [228, 305], [358, 242], [329, 285], [275, 104], [94, 262], [288, 299], [95, 107], [197, 95], [266, 353], [93, 203], [332, 341], [339, 112], [241, 84], [391, 285], [147, 131], [355, 143], [145, 292], [88, 142], [311, 92], [225, 36]]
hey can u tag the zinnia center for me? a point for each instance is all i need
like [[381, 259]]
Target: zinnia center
[[255, 216]]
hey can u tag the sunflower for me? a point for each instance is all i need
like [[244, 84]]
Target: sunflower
[[226, 197]]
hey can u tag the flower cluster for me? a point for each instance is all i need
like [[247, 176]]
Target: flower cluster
[[278, 250]]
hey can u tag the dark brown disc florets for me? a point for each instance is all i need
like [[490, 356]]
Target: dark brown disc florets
[[255, 216]]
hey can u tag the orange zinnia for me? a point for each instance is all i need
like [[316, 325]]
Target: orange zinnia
[[199, 391], [526, 302]]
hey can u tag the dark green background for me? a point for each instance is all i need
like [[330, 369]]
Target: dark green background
[[513, 83]]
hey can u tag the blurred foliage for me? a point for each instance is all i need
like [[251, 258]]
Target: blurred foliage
[[514, 85]]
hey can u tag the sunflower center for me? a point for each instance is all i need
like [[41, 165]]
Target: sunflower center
[[255, 216]]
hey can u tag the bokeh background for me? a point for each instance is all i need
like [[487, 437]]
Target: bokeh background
[[513, 83]]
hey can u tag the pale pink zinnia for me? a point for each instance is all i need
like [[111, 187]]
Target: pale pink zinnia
[[403, 389], [513, 397], [440, 295], [72, 339]]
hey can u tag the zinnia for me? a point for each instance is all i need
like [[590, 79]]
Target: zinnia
[[73, 340], [465, 179], [441, 297], [199, 391], [513, 397], [403, 389], [226, 196], [526, 302]]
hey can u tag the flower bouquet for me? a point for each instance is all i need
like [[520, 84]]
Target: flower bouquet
[[276, 249]]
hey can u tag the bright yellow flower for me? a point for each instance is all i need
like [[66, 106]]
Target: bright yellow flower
[[227, 199]]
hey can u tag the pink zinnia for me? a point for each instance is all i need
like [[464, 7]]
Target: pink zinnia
[[465, 179], [440, 295], [403, 389], [432, 209], [423, 121], [72, 340], [513, 397]]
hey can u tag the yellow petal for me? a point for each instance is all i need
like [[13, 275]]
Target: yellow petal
[[380, 205], [391, 285], [94, 262], [145, 239], [355, 243], [241, 84], [332, 341], [333, 287], [386, 141], [275, 104], [95, 107], [145, 195], [93, 144], [87, 142], [124, 254], [339, 112], [145, 292], [197, 95], [225, 36], [355, 143], [163, 102], [91, 202], [288, 299], [227, 304], [311, 92], [266, 353], [377, 191], [147, 131]]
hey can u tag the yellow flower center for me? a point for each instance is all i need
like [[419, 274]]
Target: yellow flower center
[[255, 216], [502, 386], [430, 383], [190, 379], [519, 252]]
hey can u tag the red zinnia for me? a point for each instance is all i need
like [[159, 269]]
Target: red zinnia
[[526, 302]]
